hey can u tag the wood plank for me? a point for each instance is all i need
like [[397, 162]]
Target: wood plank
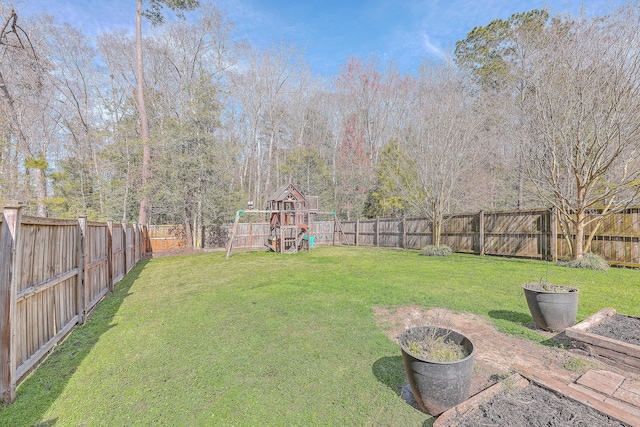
[[608, 345], [631, 385], [590, 391], [605, 382], [33, 220], [10, 267], [28, 364], [593, 320], [628, 397], [41, 287]]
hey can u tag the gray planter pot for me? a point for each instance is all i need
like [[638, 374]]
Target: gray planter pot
[[553, 308], [437, 386]]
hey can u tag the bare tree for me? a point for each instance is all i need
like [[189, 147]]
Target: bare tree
[[582, 107], [22, 75], [264, 89], [436, 156]]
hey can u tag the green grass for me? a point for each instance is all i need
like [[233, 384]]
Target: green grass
[[263, 339]]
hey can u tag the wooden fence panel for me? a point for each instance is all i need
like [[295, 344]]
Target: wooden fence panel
[[137, 242], [46, 292], [129, 247], [618, 239], [460, 233], [118, 264], [96, 283], [166, 238], [252, 235], [417, 233], [367, 232], [347, 236], [390, 233], [518, 233], [52, 272], [322, 231]]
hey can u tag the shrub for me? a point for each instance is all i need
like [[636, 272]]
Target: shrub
[[589, 261], [431, 250]]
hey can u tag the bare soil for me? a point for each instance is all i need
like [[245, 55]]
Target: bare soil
[[535, 406], [619, 327]]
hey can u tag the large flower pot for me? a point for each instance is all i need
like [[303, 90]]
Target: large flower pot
[[437, 386], [553, 308]]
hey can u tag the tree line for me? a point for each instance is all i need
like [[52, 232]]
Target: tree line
[[184, 124]]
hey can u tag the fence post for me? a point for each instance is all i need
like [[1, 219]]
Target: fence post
[[481, 232], [81, 289], [404, 232], [110, 253], [377, 231], [554, 234], [124, 248], [136, 244], [357, 230], [147, 241], [10, 269], [333, 235]]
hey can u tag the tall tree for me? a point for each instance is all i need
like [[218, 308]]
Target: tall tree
[[490, 52], [583, 119], [493, 54], [154, 14]]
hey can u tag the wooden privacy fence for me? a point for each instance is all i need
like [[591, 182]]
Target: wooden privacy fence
[[165, 238], [53, 272], [524, 233], [527, 233]]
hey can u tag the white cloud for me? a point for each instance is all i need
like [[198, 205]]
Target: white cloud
[[432, 48]]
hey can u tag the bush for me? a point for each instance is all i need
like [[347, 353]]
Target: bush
[[431, 250], [589, 261]]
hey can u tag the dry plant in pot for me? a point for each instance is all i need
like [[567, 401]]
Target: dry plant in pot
[[438, 362], [553, 307]]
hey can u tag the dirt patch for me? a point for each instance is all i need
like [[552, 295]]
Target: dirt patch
[[535, 406], [496, 352], [619, 327]]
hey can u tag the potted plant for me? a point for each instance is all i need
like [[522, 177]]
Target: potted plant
[[439, 363], [552, 307]]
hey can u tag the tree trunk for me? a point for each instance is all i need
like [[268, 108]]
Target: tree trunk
[[578, 243], [436, 231], [521, 186], [145, 204]]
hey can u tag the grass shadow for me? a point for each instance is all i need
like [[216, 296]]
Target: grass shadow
[[511, 316], [390, 371], [45, 384]]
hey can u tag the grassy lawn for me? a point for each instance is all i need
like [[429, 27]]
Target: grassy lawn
[[263, 339]]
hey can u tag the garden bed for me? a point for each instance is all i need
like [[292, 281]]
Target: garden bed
[[537, 401], [612, 337]]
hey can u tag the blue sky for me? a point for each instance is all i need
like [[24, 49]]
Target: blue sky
[[330, 31]]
